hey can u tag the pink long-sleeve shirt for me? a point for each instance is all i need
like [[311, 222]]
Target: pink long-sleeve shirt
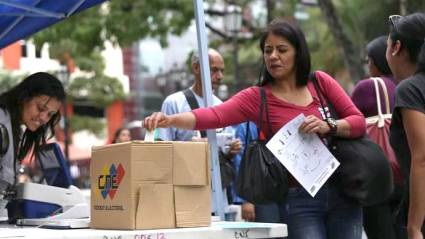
[[246, 106]]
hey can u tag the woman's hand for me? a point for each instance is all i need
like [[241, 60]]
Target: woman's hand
[[157, 119], [235, 146], [248, 211], [312, 124], [184, 120]]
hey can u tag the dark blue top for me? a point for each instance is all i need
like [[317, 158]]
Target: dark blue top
[[241, 133]]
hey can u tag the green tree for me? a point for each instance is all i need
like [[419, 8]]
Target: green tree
[[128, 21], [80, 39], [351, 56], [8, 80], [354, 23], [345, 29]]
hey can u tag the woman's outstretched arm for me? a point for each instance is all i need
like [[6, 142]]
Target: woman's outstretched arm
[[184, 120]]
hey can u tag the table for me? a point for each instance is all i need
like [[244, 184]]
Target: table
[[217, 230]]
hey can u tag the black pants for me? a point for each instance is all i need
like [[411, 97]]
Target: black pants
[[380, 220]]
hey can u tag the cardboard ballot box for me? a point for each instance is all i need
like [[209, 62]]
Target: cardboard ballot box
[[146, 185]]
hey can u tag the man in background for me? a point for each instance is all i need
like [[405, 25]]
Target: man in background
[[191, 98]]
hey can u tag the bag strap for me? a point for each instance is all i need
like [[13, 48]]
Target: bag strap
[[386, 97], [331, 108], [320, 95], [260, 118], [247, 134], [379, 82], [190, 97], [378, 98], [264, 106]]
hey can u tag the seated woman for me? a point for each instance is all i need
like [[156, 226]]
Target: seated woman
[[34, 103]]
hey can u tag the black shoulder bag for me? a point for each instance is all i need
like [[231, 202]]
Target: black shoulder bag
[[262, 178], [4, 140], [364, 173], [227, 172]]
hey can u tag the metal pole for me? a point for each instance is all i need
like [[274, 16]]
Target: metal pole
[[217, 192], [63, 76], [235, 61], [65, 129]]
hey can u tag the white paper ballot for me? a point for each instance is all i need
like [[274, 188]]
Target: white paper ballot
[[150, 136], [303, 155]]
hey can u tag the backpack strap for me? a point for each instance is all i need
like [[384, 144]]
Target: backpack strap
[[190, 98]]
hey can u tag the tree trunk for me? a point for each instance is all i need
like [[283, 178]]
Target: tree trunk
[[270, 4], [403, 7], [351, 56]]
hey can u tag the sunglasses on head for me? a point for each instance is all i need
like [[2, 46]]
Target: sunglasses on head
[[394, 19]]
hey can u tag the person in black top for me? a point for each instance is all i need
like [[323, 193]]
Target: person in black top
[[406, 58], [377, 219]]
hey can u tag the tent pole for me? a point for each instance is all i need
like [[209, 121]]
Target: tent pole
[[218, 202]]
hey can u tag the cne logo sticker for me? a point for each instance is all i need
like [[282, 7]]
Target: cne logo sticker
[[110, 179]]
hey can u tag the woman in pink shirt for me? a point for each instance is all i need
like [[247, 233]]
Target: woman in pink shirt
[[289, 92]]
